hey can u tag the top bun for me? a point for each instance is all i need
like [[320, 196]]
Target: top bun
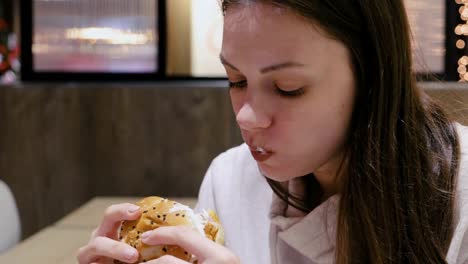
[[156, 212]]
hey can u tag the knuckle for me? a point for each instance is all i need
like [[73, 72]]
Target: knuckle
[[179, 232], [80, 254], [93, 246], [84, 253], [110, 210], [117, 211], [97, 245], [98, 241]]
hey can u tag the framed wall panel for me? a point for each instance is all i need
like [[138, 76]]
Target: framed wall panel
[[207, 32], [432, 25], [427, 21], [88, 40]]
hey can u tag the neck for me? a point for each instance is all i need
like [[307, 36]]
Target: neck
[[328, 175]]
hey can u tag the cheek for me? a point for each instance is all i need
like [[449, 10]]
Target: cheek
[[315, 127]]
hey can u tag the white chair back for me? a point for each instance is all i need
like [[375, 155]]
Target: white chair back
[[10, 225]]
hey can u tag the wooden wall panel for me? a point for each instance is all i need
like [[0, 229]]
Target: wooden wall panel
[[149, 137], [61, 144], [42, 156]]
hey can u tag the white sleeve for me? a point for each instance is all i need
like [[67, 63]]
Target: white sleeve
[[463, 253], [460, 237], [206, 197], [458, 251]]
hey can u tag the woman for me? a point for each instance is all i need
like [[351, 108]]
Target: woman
[[346, 160]]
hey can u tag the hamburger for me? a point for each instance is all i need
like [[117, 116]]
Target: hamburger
[[157, 212]]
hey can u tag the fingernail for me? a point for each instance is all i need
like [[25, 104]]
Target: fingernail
[[129, 253], [133, 209], [145, 235]]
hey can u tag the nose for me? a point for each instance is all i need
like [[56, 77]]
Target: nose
[[250, 118]]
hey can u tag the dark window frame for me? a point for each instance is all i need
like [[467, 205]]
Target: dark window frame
[[452, 54], [28, 73]]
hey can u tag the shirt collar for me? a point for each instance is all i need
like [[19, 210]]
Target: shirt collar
[[314, 234]]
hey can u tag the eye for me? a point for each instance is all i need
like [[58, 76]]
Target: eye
[[239, 84], [289, 93]]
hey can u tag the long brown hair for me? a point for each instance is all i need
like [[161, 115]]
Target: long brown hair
[[397, 198]]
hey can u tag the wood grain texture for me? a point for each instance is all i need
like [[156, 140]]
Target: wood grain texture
[[42, 156], [62, 144]]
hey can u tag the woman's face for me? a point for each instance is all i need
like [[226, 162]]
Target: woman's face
[[292, 90]]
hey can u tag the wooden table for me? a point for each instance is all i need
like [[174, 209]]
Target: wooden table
[[58, 243]]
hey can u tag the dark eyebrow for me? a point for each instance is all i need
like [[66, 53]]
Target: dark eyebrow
[[271, 68], [280, 66], [225, 62]]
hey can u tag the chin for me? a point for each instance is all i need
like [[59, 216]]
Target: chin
[[283, 172], [277, 174]]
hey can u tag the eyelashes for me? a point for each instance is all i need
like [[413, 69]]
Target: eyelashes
[[240, 84], [294, 93]]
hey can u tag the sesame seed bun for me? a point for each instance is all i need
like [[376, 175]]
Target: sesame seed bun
[[156, 212]]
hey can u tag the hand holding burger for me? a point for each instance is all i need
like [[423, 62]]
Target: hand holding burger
[[156, 230]]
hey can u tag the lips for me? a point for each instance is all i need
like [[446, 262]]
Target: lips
[[260, 154], [257, 146]]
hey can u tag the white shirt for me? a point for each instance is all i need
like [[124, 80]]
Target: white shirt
[[257, 231]]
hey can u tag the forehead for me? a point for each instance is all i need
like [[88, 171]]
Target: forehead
[[253, 13], [261, 31]]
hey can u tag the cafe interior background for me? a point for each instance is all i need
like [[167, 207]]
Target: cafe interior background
[[127, 98]]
